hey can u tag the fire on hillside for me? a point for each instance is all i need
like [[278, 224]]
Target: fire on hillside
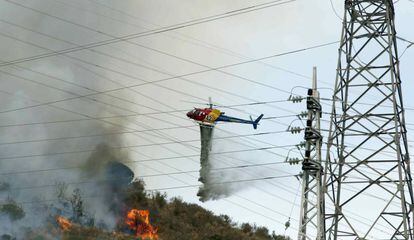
[[138, 221], [64, 223]]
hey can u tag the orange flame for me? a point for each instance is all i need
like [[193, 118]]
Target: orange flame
[[138, 221], [63, 223]]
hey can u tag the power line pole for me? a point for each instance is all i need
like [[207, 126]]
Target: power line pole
[[368, 165], [311, 223]]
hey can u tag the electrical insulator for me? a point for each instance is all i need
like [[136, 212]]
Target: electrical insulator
[[287, 224], [293, 161], [303, 115], [301, 144], [295, 99], [295, 130]]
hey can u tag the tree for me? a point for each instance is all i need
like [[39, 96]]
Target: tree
[[246, 228], [12, 210], [77, 206]]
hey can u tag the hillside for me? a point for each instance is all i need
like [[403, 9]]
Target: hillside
[[172, 219], [179, 220]]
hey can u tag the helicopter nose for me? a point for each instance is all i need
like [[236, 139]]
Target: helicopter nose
[[189, 114]]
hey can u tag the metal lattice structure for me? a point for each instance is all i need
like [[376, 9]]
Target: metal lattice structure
[[311, 223], [367, 176]]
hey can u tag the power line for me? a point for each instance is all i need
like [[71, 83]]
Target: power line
[[135, 131], [208, 86], [163, 112], [254, 103], [155, 144], [111, 95], [124, 60], [139, 65], [150, 175], [334, 11], [145, 33], [194, 130], [186, 186], [145, 160], [135, 114], [94, 118], [220, 183], [164, 79], [181, 187], [94, 99], [82, 25], [244, 142], [111, 123], [194, 41], [124, 116], [249, 210], [271, 194], [186, 183], [279, 197], [265, 149], [104, 103], [126, 109], [364, 103], [245, 62], [225, 162], [152, 49], [182, 79]]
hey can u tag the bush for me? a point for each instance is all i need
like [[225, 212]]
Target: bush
[[13, 211]]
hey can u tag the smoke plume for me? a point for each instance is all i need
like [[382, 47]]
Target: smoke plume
[[82, 178]]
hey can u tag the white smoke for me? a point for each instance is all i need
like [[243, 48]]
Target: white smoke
[[39, 179]]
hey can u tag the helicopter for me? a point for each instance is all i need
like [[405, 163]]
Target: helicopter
[[210, 116]]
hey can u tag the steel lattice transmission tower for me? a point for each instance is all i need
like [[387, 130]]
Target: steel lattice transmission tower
[[367, 176]]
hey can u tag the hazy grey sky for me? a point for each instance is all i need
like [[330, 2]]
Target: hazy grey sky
[[33, 27]]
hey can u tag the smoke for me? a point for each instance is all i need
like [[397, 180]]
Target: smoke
[[109, 179], [42, 180], [90, 194], [82, 179]]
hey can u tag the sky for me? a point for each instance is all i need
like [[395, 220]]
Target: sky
[[35, 118]]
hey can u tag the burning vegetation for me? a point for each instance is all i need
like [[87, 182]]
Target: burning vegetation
[[138, 221], [169, 220], [117, 207], [64, 223]]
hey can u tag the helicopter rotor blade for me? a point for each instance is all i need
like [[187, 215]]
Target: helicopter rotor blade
[[210, 104], [200, 103]]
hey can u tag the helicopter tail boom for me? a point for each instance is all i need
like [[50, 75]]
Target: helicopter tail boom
[[224, 118]]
